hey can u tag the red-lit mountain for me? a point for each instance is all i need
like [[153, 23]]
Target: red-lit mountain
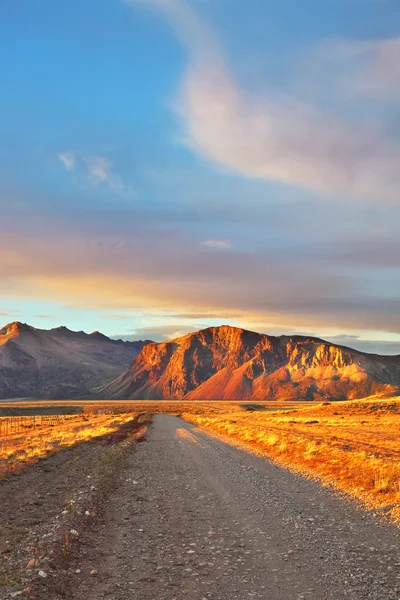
[[230, 363]]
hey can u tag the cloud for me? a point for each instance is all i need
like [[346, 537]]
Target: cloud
[[271, 136], [96, 170], [68, 159], [219, 244], [158, 333], [389, 347], [170, 275], [349, 68], [100, 172], [350, 71], [201, 315]]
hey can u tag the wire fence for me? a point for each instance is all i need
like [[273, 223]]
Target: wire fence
[[26, 439], [17, 424], [13, 425]]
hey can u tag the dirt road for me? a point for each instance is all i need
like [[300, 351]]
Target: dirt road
[[197, 518]]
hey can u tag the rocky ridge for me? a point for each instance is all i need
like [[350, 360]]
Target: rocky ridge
[[229, 363]]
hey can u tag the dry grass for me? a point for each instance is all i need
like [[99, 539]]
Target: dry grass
[[354, 446], [27, 447]]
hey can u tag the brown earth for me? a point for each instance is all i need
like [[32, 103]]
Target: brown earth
[[44, 503]]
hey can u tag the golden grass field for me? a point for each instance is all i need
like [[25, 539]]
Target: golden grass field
[[353, 446], [26, 447]]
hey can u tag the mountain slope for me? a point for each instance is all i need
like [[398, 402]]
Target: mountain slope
[[58, 363], [230, 363]]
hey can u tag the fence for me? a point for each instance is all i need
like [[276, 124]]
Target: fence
[[11, 425], [17, 424]]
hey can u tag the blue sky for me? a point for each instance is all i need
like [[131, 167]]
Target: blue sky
[[167, 165]]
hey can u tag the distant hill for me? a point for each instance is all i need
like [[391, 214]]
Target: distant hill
[[59, 363], [230, 363]]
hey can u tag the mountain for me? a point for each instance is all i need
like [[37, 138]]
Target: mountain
[[228, 363], [59, 363]]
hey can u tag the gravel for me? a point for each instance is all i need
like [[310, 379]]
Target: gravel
[[46, 507], [193, 517]]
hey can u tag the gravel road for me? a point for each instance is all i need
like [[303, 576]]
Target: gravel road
[[196, 518]]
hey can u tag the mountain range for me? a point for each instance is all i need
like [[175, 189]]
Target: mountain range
[[59, 363], [217, 363], [229, 363]]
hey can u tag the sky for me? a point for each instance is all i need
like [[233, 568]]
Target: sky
[[169, 165]]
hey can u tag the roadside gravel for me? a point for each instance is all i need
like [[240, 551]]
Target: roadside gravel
[[47, 508]]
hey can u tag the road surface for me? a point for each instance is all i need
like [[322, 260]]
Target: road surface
[[197, 518]]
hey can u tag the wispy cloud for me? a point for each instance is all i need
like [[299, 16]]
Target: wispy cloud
[[195, 316], [365, 345], [161, 332], [270, 136], [97, 170], [100, 172], [172, 276], [379, 66], [68, 159], [352, 69], [219, 244]]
